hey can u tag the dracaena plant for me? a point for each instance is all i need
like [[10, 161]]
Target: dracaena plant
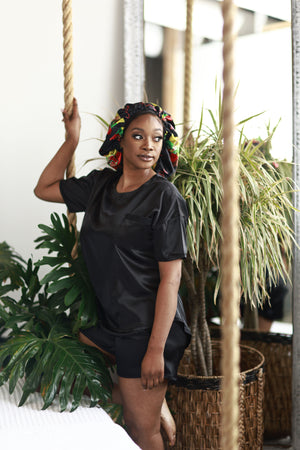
[[41, 319], [266, 235]]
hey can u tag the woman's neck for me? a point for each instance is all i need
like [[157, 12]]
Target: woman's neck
[[131, 180]]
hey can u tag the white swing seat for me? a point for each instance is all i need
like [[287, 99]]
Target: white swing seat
[[29, 428]]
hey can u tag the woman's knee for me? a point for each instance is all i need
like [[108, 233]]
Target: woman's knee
[[142, 411], [142, 428]]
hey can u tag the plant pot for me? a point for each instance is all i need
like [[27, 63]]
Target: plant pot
[[277, 351], [196, 401]]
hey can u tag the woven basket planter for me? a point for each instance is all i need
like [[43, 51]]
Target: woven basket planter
[[277, 351], [196, 403]]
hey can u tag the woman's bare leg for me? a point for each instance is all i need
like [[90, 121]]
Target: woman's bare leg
[[167, 421], [166, 418], [142, 411]]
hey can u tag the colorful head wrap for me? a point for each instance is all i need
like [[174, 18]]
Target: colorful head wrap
[[168, 160]]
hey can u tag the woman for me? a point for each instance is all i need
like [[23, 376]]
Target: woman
[[133, 239]]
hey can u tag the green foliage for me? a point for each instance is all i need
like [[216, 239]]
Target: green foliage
[[266, 234], [265, 204], [26, 312], [11, 269], [68, 276], [55, 364], [41, 324]]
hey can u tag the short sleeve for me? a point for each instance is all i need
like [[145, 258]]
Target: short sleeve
[[169, 232], [76, 191]]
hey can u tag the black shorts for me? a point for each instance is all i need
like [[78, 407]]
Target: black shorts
[[129, 350]]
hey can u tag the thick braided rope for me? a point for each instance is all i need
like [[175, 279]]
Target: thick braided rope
[[134, 70], [188, 64], [68, 79], [230, 245]]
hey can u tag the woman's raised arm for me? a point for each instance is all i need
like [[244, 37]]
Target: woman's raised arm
[[47, 187]]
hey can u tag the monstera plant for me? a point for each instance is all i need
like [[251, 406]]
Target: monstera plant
[[40, 319]]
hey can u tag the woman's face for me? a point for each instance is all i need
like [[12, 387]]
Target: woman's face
[[142, 142]]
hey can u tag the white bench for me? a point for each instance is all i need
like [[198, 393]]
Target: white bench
[[29, 428]]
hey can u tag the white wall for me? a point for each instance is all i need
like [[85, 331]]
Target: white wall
[[31, 96], [263, 73]]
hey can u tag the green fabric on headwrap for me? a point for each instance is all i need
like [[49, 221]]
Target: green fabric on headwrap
[[168, 160]]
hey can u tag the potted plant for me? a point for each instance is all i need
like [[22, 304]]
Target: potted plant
[[264, 232], [39, 322]]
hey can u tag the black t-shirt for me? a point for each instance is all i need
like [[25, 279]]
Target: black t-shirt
[[123, 237]]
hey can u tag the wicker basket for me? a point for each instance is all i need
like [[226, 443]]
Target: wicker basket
[[277, 350], [196, 403]]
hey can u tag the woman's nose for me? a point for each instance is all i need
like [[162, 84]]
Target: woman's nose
[[148, 144]]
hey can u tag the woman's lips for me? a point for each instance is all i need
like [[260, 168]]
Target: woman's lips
[[146, 157]]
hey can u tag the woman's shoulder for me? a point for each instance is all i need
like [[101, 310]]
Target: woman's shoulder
[[106, 172], [99, 177], [76, 192], [167, 188], [170, 200]]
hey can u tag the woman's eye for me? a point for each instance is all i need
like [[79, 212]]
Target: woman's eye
[[137, 137]]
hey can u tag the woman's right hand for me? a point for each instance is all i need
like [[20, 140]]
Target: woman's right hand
[[72, 123], [47, 187]]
